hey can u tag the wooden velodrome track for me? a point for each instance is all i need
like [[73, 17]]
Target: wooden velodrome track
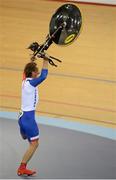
[[83, 87]]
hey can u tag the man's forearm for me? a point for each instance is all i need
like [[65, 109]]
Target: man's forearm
[[45, 64]]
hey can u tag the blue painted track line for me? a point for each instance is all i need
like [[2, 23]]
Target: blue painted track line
[[68, 76], [105, 132]]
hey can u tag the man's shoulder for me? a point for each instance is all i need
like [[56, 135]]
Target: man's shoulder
[[26, 84]]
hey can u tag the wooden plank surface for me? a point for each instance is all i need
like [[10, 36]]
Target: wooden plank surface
[[83, 87]]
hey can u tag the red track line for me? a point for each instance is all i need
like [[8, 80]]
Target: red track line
[[79, 105], [77, 117], [64, 115], [87, 3], [64, 103]]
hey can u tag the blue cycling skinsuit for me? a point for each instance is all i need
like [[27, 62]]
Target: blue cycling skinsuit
[[28, 126]]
